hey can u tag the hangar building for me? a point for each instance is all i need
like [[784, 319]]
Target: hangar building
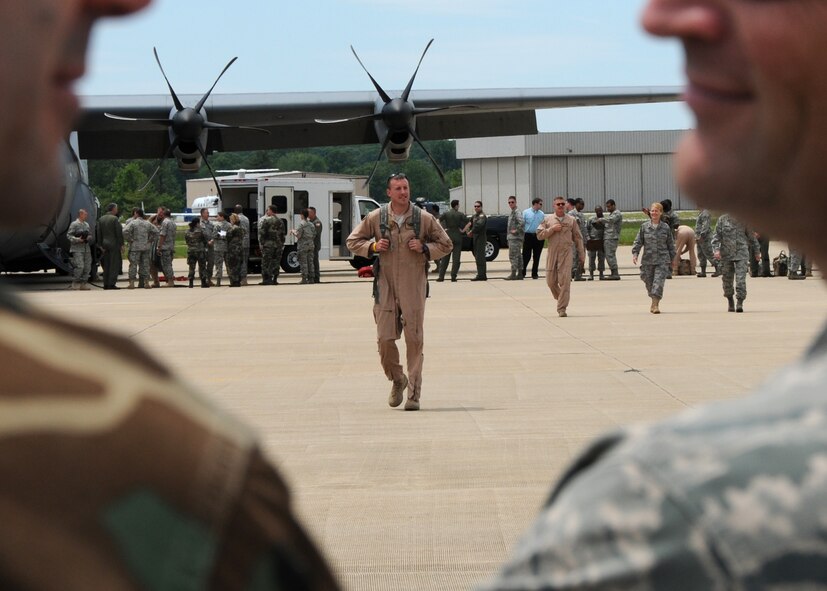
[[632, 167]]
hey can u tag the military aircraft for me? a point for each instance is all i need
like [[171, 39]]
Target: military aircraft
[[160, 126]]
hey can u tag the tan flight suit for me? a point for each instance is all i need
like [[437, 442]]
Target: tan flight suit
[[116, 476], [559, 259], [684, 240], [402, 288]]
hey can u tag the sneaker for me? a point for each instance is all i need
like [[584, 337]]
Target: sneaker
[[398, 388], [562, 313], [411, 404]]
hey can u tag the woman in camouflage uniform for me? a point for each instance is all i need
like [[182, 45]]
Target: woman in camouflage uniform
[[655, 237], [221, 226], [197, 251], [235, 250]]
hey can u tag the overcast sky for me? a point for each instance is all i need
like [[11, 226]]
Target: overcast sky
[[302, 46]]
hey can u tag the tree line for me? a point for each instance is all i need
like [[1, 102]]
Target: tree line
[[121, 180]]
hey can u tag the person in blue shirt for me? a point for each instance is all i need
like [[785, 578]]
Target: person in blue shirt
[[532, 246]]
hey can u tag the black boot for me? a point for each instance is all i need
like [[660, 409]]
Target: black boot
[[739, 307], [703, 271], [192, 279], [205, 283], [730, 304]]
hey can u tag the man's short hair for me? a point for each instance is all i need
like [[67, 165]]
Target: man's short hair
[[309, 208], [273, 208], [239, 208], [478, 203], [512, 198], [203, 209], [397, 176], [455, 203], [610, 201], [167, 212], [536, 200], [221, 215], [305, 213], [579, 201], [138, 211], [112, 206], [571, 201]]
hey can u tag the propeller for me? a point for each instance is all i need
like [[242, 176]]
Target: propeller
[[396, 118], [188, 125]]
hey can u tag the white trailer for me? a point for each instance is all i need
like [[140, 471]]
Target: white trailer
[[337, 206]]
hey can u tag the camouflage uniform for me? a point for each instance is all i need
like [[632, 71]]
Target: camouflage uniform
[[197, 253], [271, 240], [612, 223], [453, 221], [317, 246], [703, 241], [479, 223], [796, 256], [728, 496], [167, 251], [658, 245], [220, 248], [80, 250], [305, 233], [209, 233], [732, 239], [577, 264], [244, 222], [235, 253], [515, 237], [121, 478], [140, 234], [594, 231]]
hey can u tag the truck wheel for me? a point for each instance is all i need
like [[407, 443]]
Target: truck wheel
[[492, 249], [290, 261], [358, 262]]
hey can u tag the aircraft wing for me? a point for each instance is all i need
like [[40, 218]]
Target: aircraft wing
[[290, 117]]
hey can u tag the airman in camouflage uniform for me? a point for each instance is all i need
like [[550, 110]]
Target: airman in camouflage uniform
[[116, 476], [796, 270], [244, 222], [612, 224], [477, 230], [197, 252], [78, 235], [515, 237], [576, 212], [166, 247], [730, 245], [703, 241], [235, 250], [594, 234], [140, 234], [317, 242], [305, 233], [271, 236], [220, 227], [658, 244], [453, 221], [209, 232]]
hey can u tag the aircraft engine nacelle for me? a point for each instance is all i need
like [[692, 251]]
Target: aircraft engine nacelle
[[396, 138], [187, 128]]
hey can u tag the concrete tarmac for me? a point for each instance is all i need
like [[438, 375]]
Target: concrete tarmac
[[436, 499]]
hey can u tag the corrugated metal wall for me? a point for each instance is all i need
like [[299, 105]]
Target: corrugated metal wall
[[633, 168]]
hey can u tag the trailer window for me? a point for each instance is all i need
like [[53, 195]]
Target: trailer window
[[280, 203]]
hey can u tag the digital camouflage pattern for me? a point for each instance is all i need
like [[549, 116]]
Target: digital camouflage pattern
[[594, 231], [121, 478], [244, 222], [703, 240], [220, 248], [515, 234], [658, 246], [732, 240], [305, 236], [612, 224], [80, 250], [577, 262], [166, 251], [141, 235], [209, 232], [196, 241], [728, 496], [271, 236], [317, 246], [235, 253]]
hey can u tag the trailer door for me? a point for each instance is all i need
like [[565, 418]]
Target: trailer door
[[282, 199]]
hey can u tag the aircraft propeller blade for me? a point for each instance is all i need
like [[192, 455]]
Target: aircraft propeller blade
[[378, 158], [407, 91], [378, 88], [427, 153], [214, 125], [166, 122], [201, 151], [168, 153], [175, 100], [207, 94]]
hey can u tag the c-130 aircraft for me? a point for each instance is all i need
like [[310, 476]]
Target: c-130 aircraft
[[163, 126]]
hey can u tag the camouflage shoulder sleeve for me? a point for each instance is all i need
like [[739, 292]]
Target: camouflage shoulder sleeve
[[124, 478]]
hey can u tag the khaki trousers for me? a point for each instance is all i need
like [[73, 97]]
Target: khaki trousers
[[390, 324]]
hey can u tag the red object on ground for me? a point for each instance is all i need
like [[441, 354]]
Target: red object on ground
[[365, 271]]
